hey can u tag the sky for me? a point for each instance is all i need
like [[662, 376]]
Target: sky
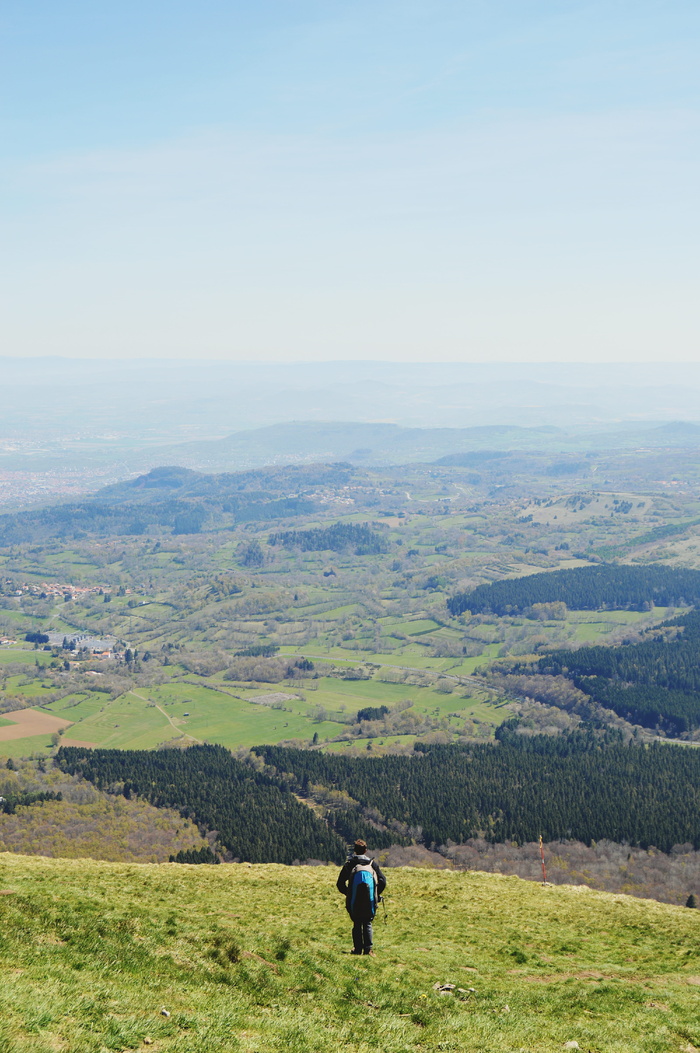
[[472, 181]]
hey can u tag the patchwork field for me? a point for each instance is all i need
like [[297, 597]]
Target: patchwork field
[[191, 609], [211, 709], [232, 715]]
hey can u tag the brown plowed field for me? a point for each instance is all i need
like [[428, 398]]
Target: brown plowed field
[[26, 722]]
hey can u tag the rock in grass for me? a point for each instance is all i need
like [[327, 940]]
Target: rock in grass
[[165, 1012], [571, 1045]]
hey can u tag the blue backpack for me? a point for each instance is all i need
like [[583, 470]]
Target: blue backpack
[[363, 892]]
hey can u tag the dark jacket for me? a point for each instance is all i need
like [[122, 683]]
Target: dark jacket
[[342, 884]]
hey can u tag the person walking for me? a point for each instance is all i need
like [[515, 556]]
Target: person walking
[[362, 883]]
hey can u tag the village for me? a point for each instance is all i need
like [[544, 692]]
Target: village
[[56, 589]]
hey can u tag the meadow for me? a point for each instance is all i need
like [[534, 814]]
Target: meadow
[[232, 716], [102, 956]]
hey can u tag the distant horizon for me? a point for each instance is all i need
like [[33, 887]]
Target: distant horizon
[[259, 361]]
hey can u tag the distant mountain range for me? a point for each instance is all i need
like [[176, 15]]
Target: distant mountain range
[[391, 444], [123, 404], [69, 426]]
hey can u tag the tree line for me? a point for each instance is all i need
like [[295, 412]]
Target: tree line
[[257, 818], [582, 786], [600, 586], [574, 786], [9, 804], [652, 683]]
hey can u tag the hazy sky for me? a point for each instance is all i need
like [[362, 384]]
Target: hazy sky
[[492, 180]]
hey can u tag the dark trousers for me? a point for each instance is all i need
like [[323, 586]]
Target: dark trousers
[[362, 936]]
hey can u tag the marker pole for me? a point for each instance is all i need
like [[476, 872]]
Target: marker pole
[[544, 869]]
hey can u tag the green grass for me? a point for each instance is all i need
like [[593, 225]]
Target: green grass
[[254, 959], [127, 722], [214, 714], [76, 707], [133, 722], [593, 626], [410, 656], [27, 656], [5, 723], [408, 626], [26, 748], [34, 689]]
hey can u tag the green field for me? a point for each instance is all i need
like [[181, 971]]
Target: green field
[[190, 606], [145, 717], [593, 626], [210, 709], [254, 959], [25, 655], [34, 744]]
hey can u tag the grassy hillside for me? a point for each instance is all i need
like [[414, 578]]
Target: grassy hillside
[[255, 959]]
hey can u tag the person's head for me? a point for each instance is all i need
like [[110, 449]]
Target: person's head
[[360, 848]]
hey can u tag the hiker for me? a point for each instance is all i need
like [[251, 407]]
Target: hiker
[[362, 883]]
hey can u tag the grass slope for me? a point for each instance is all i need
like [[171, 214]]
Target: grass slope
[[252, 958]]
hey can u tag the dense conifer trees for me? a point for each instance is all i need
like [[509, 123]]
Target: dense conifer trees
[[571, 787], [580, 786], [656, 682], [257, 819], [597, 587], [340, 536]]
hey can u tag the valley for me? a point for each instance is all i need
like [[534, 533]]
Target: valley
[[362, 613]]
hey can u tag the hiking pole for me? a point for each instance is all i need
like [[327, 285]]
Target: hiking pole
[[381, 900]]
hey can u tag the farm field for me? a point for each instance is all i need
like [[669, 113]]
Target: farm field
[[231, 715], [29, 746], [255, 958], [26, 723], [25, 655], [217, 711]]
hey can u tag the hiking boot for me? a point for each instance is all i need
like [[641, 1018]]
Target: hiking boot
[[370, 953], [355, 952]]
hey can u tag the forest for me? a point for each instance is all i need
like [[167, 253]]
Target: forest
[[176, 501], [572, 787], [258, 820], [568, 787], [653, 682], [597, 587], [357, 537], [581, 786]]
